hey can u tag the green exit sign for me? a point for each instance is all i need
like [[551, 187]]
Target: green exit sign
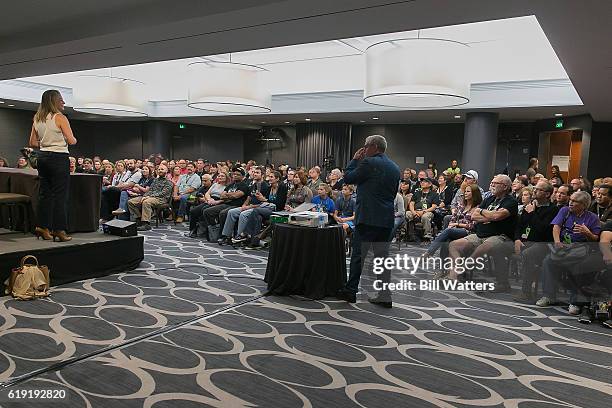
[[181, 126], [559, 124]]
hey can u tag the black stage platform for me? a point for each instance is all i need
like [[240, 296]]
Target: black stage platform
[[88, 255]]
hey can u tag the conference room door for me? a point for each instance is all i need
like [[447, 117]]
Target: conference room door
[[564, 149]]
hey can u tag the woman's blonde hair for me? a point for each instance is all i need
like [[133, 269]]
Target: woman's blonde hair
[[48, 104]]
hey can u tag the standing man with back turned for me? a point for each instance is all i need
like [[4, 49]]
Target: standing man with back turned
[[377, 178]]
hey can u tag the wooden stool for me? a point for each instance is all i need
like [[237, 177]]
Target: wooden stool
[[11, 200]]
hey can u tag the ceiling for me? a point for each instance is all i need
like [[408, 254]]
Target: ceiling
[[90, 35]]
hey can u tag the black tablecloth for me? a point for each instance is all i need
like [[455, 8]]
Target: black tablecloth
[[306, 261], [83, 197]]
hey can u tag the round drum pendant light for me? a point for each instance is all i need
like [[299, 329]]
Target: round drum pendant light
[[227, 87], [417, 73], [111, 96]]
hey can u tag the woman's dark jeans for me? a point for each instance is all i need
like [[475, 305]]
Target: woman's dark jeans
[[54, 173], [448, 235]]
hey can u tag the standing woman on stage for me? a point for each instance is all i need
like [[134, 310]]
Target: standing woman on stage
[[51, 133]]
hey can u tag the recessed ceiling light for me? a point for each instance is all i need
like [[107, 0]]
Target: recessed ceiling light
[[362, 121], [263, 123], [558, 114], [457, 116], [307, 119], [1, 101], [10, 106], [287, 123], [375, 118]]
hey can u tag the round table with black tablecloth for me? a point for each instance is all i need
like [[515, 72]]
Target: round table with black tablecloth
[[83, 197], [306, 261]]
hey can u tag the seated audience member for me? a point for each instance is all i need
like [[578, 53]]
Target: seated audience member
[[107, 176], [532, 170], [97, 165], [460, 225], [323, 201], [537, 177], [88, 166], [123, 179], [431, 166], [495, 222], [4, 162], [399, 211], [241, 214], [404, 190], [563, 195], [174, 174], [424, 203], [458, 179], [276, 199], [134, 179], [556, 173], [517, 186], [556, 181], [471, 177], [524, 198], [159, 193], [72, 162], [422, 174], [233, 196], [533, 232], [187, 183], [79, 164], [344, 213], [335, 180], [22, 163], [572, 227], [602, 206], [182, 165], [576, 185], [299, 193], [139, 189], [315, 178], [288, 180], [208, 195], [446, 193], [199, 167], [454, 168]]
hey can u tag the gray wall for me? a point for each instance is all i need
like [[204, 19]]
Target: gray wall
[[439, 143], [15, 127], [115, 140]]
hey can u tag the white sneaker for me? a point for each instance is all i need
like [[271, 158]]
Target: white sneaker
[[428, 236], [543, 302], [119, 211], [574, 310]]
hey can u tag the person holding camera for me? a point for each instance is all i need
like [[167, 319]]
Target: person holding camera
[[51, 133]]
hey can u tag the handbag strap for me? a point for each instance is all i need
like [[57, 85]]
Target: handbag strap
[[23, 260]]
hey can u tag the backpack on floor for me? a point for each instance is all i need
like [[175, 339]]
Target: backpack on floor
[[29, 281]]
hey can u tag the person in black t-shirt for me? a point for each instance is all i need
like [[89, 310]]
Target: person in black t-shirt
[[241, 214], [422, 207], [495, 226], [532, 234], [233, 196]]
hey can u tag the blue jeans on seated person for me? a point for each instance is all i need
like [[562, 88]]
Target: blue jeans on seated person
[[234, 215], [255, 219], [397, 222], [182, 205], [551, 275], [447, 235], [123, 203]]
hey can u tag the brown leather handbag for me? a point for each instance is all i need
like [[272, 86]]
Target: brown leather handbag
[[29, 281]]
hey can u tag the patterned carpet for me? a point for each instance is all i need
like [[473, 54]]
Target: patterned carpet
[[209, 339]]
